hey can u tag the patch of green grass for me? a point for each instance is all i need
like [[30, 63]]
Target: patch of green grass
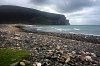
[[9, 56]]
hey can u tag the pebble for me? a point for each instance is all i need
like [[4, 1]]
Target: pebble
[[51, 49], [58, 47], [73, 52], [22, 63], [26, 61], [88, 58], [94, 55], [34, 65], [67, 59], [38, 64], [16, 38]]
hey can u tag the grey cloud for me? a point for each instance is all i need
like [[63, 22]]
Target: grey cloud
[[70, 6], [39, 2], [61, 6], [65, 6], [2, 2]]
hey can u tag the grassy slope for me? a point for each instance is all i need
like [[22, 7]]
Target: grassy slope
[[9, 56]]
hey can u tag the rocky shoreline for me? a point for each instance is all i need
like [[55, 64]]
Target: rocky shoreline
[[50, 49], [73, 36], [78, 37]]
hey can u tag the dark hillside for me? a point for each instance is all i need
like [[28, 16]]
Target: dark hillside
[[15, 14]]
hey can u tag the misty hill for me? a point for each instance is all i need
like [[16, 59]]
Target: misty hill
[[16, 14]]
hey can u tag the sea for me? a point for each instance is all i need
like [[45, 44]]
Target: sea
[[75, 29]]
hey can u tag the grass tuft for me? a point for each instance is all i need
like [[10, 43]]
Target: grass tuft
[[9, 56]]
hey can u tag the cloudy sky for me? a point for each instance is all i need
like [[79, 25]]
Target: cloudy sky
[[79, 12]]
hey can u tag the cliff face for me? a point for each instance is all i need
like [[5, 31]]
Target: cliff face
[[15, 14]]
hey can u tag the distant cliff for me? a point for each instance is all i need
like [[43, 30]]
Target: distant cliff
[[15, 14]]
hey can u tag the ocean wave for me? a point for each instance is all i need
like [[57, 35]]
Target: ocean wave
[[65, 29], [39, 29], [76, 29], [61, 29], [72, 32]]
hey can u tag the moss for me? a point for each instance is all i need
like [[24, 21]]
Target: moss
[[9, 56]]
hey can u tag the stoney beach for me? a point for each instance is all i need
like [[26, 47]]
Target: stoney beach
[[51, 49]]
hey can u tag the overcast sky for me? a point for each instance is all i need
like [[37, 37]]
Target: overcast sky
[[79, 12]]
